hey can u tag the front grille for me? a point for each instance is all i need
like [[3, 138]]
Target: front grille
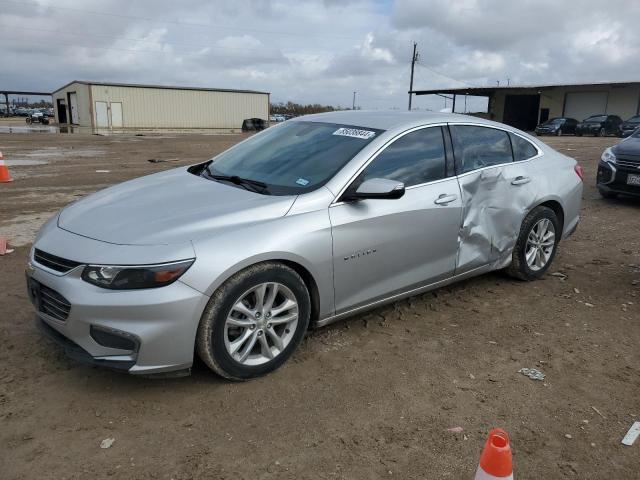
[[58, 264], [629, 161], [53, 304]]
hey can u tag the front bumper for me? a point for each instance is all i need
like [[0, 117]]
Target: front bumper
[[613, 179], [149, 331], [546, 131]]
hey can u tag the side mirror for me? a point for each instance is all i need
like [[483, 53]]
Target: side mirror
[[376, 188]]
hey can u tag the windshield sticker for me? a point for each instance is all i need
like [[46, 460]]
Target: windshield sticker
[[302, 181], [355, 133]]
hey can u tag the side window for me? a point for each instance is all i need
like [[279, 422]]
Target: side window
[[479, 147], [522, 149], [417, 157]]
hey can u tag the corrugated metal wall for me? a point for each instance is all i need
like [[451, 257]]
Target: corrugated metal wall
[[163, 108]]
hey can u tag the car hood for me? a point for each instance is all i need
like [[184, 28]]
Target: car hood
[[629, 146], [169, 207]]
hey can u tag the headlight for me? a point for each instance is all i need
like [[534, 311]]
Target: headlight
[[125, 277], [608, 156]]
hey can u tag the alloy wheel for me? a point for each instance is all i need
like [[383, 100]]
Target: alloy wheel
[[261, 323], [540, 244]]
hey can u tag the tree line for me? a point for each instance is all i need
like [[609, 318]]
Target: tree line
[[292, 108]]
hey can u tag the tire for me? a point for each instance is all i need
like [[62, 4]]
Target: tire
[[578, 134], [602, 132], [559, 132], [608, 195], [519, 268], [212, 338]]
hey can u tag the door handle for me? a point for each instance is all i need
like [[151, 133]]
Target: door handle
[[445, 199], [520, 180]]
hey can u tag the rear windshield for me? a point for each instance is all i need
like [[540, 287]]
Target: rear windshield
[[295, 157], [597, 118]]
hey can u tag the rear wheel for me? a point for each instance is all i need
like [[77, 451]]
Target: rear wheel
[[536, 245], [254, 321]]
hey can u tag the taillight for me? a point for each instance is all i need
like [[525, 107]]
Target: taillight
[[579, 172]]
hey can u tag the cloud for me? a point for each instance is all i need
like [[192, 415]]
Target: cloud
[[318, 50]]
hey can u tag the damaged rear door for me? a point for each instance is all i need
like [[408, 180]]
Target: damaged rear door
[[496, 194]]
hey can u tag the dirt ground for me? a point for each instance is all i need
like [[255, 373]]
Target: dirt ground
[[369, 397]]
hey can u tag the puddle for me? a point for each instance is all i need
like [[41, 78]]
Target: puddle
[[13, 163], [27, 129]]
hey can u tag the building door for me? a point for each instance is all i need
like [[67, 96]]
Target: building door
[[521, 111], [580, 105], [544, 115], [116, 115], [62, 110], [73, 107], [102, 115]]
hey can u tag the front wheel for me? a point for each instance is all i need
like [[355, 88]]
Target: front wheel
[[536, 246], [608, 195], [254, 321], [559, 132], [602, 132]]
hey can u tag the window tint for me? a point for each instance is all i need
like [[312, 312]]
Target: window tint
[[522, 149], [478, 147], [418, 157]]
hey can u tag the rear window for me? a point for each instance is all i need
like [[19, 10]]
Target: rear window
[[479, 147], [522, 149]]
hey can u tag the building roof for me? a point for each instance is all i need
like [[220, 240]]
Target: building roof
[[483, 91], [166, 87]]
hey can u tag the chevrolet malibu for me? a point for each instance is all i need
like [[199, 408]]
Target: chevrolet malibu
[[310, 221]]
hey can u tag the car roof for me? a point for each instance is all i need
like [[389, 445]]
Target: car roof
[[389, 119]]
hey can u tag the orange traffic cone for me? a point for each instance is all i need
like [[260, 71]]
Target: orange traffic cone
[[495, 462], [4, 171]]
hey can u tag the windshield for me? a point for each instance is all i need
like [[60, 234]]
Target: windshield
[[596, 118], [635, 119], [555, 121], [295, 157]]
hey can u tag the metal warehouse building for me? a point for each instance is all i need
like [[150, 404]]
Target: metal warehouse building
[[97, 106], [525, 106]]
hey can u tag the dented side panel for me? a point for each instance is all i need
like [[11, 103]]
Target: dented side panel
[[494, 202]]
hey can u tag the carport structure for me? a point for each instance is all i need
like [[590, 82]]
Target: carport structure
[[6, 94], [524, 106]]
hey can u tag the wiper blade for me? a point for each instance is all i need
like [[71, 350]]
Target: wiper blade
[[252, 185]]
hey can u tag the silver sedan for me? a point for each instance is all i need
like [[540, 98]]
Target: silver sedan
[[310, 221]]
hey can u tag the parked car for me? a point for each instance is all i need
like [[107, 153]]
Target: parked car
[[629, 126], [315, 219], [599, 125], [36, 116], [619, 168], [253, 124], [557, 126], [276, 118]]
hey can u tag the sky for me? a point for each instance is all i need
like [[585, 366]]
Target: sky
[[319, 51]]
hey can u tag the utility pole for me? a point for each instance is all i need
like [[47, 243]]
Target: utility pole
[[414, 59], [353, 105]]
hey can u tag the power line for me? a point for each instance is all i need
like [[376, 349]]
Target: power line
[[177, 22], [443, 75]]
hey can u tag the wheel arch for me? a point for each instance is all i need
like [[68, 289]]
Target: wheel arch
[[291, 261], [557, 208]]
